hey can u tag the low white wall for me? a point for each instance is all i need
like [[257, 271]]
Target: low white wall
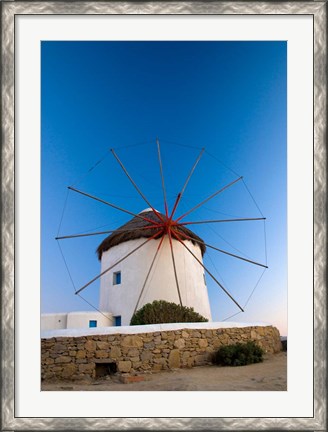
[[74, 320], [53, 321], [81, 319], [150, 328]]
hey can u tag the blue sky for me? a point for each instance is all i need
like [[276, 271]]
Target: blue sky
[[229, 97]]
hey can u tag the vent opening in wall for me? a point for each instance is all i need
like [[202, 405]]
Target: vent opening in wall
[[105, 369]]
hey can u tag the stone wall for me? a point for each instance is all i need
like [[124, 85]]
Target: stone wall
[[75, 358]]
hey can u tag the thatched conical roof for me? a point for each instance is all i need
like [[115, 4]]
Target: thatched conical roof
[[134, 231]]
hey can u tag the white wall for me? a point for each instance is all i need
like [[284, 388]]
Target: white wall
[[53, 321], [74, 320], [81, 319], [121, 299]]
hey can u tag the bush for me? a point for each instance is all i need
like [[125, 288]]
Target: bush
[[239, 354], [160, 312]]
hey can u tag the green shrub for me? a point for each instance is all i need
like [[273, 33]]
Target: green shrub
[[160, 312], [239, 354]]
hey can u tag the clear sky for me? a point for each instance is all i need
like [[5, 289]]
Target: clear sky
[[229, 97]]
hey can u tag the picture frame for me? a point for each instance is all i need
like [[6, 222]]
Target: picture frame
[[9, 11]]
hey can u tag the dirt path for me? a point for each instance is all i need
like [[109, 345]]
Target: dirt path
[[271, 375]]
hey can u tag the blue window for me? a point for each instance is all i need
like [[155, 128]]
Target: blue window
[[92, 323], [117, 278], [117, 321]]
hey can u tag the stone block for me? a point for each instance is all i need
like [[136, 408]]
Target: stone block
[[103, 346], [190, 361], [174, 359], [146, 355], [101, 354], [80, 354], [149, 345], [180, 343], [196, 334], [185, 334], [87, 367], [261, 331], [63, 359], [202, 343], [201, 359], [59, 347], [115, 352], [133, 352], [90, 345], [132, 341], [69, 370], [124, 366], [157, 367], [48, 375], [44, 354], [185, 354], [255, 335]]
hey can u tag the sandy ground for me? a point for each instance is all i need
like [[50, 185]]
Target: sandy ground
[[271, 375]]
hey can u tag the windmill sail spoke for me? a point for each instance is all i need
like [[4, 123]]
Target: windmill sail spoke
[[162, 177], [106, 232], [118, 262], [174, 266], [148, 274], [209, 198], [212, 276], [135, 185], [221, 220], [186, 183], [152, 225], [222, 251], [111, 205]]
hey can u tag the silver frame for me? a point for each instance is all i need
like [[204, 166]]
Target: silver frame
[[8, 11]]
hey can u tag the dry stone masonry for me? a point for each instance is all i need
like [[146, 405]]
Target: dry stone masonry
[[76, 358]]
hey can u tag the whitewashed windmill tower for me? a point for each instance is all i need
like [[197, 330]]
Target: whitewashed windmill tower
[[148, 273]]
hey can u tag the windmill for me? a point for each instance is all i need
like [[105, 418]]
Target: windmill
[[158, 246]]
